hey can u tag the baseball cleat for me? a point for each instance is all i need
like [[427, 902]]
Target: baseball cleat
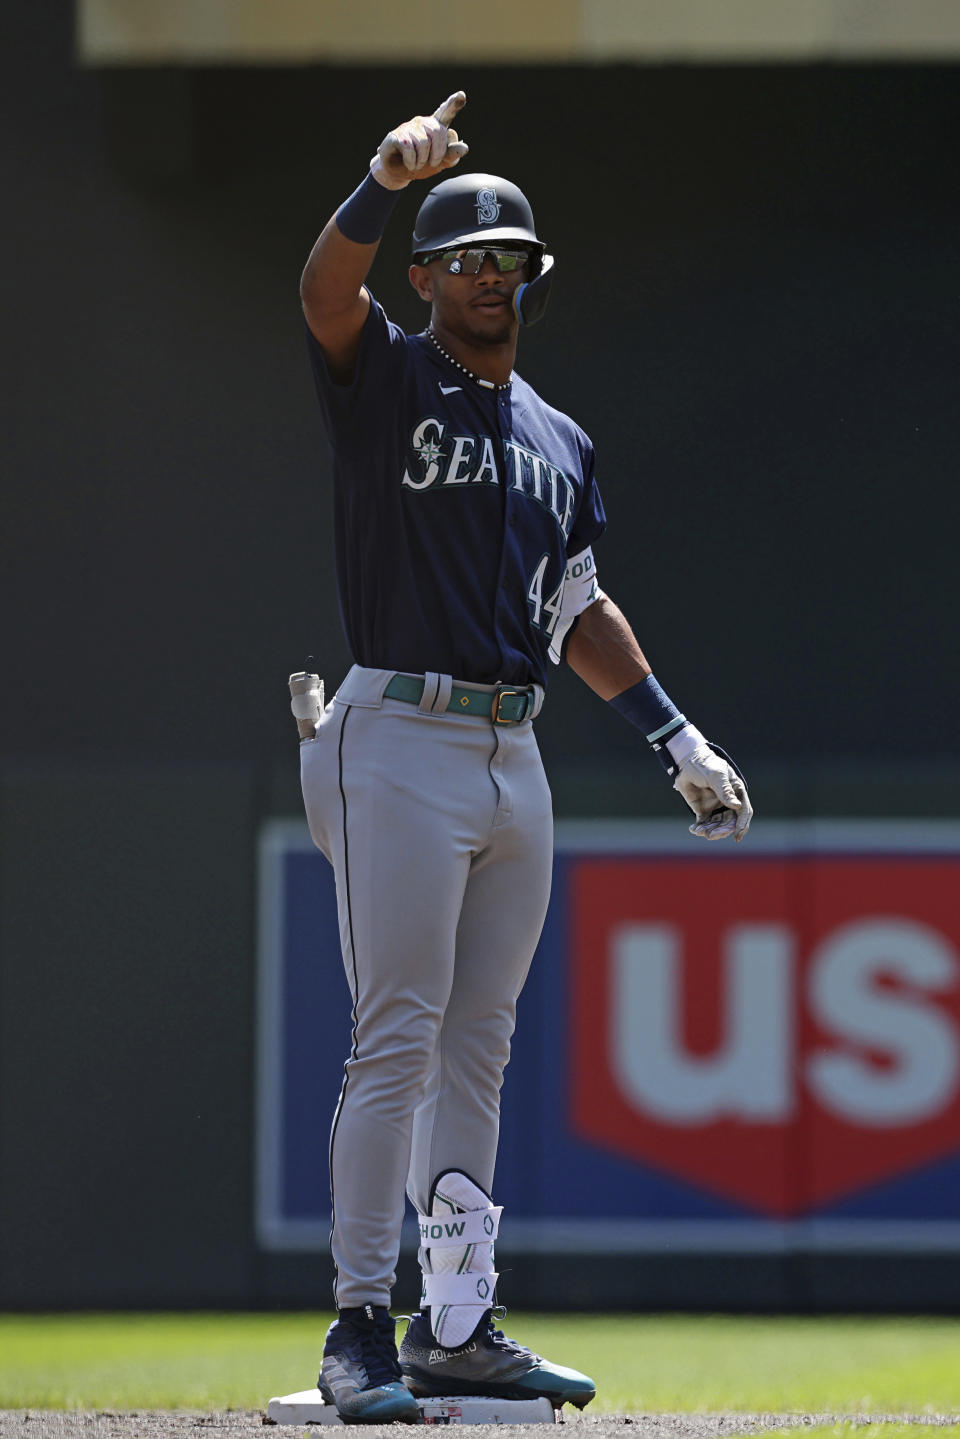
[[488, 1363], [360, 1372]]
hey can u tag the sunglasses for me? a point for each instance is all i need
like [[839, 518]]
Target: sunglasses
[[470, 262]]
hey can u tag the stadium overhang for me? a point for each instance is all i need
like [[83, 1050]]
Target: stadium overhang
[[201, 32]]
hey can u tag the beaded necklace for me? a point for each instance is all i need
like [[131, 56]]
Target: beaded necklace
[[487, 384]]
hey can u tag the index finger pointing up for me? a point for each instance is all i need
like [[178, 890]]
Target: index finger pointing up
[[445, 113]]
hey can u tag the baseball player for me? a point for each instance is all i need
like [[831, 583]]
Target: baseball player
[[465, 515]]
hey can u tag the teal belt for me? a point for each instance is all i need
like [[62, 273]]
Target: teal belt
[[504, 705]]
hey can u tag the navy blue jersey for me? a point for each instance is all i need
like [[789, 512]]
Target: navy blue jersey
[[455, 509]]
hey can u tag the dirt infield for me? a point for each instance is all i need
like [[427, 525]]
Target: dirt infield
[[90, 1424]]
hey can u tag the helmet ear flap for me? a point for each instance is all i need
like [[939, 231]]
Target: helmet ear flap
[[530, 300]]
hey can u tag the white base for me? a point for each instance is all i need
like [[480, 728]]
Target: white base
[[308, 1407]]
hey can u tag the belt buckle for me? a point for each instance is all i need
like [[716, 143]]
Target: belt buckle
[[505, 692]]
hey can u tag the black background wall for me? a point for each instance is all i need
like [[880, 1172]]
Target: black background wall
[[755, 318]]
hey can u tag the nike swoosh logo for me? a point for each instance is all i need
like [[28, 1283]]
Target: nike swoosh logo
[[449, 389]]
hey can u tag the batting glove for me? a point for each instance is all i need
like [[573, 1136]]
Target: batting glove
[[712, 785], [420, 148]]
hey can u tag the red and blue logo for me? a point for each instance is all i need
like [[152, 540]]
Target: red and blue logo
[[781, 1032]]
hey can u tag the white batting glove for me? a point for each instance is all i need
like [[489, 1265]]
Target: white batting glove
[[420, 148], [711, 785]]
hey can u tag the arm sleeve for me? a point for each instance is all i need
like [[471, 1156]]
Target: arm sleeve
[[377, 375], [579, 591], [580, 579]]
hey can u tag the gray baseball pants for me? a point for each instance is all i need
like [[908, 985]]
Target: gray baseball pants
[[440, 832]]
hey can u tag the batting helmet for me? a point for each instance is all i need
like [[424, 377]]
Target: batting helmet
[[471, 208], [474, 207]]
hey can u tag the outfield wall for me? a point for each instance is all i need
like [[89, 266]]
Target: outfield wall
[[753, 1053], [752, 318], [735, 1080]]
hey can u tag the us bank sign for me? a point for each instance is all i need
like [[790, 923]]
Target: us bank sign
[[716, 1049]]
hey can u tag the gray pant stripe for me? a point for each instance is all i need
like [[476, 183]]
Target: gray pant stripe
[[356, 991]]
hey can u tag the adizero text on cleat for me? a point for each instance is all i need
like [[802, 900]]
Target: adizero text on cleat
[[360, 1372], [488, 1363]]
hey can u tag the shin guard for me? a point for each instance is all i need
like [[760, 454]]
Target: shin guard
[[456, 1256]]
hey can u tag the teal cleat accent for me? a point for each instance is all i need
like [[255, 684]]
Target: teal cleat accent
[[487, 1364]]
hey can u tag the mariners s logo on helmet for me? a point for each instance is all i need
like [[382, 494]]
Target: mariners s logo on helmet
[[488, 211]]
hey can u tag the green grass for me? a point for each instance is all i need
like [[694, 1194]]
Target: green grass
[[641, 1363], [779, 1365]]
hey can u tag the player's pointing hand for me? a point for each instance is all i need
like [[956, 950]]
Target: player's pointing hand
[[451, 107], [420, 148]]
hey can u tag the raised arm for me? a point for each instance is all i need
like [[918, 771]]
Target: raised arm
[[332, 292], [604, 652]]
